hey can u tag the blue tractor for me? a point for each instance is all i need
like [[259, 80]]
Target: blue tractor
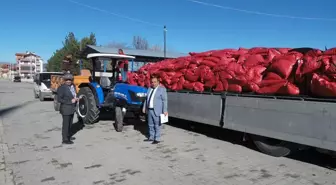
[[105, 91]]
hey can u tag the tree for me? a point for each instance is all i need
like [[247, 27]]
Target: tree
[[71, 46], [156, 48], [140, 43]]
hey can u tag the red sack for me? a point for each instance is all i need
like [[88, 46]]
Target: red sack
[[239, 80], [190, 76], [283, 50], [188, 85], [221, 86], [213, 59], [174, 87], [265, 83], [254, 74], [251, 87], [242, 59], [331, 51], [272, 76], [224, 53], [289, 89], [174, 80], [320, 86], [283, 65], [180, 83], [310, 65], [271, 89], [196, 60], [224, 75], [208, 63], [181, 65], [258, 50], [178, 74], [254, 60], [226, 61], [202, 54], [220, 67], [235, 88], [210, 83], [281, 88], [272, 53], [235, 69], [198, 87], [209, 75]]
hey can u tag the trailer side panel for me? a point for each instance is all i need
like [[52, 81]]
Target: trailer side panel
[[305, 122], [202, 108]]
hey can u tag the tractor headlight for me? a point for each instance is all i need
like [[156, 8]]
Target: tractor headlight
[[141, 94]]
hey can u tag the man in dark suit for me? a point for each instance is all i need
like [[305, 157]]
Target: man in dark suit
[[155, 104], [67, 98]]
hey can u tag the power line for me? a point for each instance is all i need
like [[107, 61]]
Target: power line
[[261, 13], [115, 14]]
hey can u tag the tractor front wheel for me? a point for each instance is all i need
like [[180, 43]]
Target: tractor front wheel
[[87, 108], [119, 119]]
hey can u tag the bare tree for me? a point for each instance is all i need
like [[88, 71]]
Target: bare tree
[[140, 43], [119, 45], [156, 48]]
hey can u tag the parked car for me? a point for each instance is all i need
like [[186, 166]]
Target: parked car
[[17, 79]]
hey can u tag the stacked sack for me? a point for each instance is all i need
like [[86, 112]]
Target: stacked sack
[[276, 71]]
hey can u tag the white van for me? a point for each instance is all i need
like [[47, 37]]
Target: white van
[[42, 82]]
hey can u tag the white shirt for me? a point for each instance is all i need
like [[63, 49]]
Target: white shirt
[[151, 101]]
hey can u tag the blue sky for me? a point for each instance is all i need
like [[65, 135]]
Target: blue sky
[[41, 25]]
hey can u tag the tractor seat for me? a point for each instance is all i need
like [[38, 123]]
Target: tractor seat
[[105, 82]]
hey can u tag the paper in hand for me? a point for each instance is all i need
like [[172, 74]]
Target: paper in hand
[[163, 118]]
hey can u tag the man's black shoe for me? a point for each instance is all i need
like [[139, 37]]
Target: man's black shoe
[[67, 142], [155, 142], [72, 138], [148, 140]]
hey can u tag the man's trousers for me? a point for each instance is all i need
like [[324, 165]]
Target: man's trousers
[[66, 127], [154, 125]]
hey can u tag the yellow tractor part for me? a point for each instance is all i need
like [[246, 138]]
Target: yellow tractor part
[[57, 80]]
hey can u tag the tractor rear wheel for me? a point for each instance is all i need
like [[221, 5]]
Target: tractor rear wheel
[[87, 108], [119, 119]]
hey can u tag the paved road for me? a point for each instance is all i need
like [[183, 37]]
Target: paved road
[[31, 154]]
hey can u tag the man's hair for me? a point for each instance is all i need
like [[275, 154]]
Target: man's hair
[[154, 76]]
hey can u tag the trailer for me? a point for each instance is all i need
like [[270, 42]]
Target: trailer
[[277, 125]]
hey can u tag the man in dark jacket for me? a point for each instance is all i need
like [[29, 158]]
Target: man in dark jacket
[[67, 98]]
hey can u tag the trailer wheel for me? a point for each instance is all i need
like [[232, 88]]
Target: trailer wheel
[[35, 95], [273, 147], [87, 108], [41, 97], [119, 119], [56, 104]]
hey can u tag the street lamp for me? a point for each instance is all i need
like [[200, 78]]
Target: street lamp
[[164, 40]]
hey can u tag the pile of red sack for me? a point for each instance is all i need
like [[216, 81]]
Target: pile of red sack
[[276, 71]]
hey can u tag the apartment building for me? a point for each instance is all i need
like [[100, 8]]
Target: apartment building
[[28, 64]]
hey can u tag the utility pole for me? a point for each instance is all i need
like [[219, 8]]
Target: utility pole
[[80, 59], [31, 61], [164, 41]]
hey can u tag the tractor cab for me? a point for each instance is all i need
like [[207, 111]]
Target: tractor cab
[[106, 90]]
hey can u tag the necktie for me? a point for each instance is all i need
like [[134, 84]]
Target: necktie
[[150, 97], [73, 92]]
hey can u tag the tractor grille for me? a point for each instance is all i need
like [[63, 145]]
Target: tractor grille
[[135, 98]]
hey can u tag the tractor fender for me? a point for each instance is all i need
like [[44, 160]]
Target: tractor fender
[[97, 91]]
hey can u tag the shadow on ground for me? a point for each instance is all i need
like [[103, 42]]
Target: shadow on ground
[[11, 109], [310, 156], [76, 127]]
